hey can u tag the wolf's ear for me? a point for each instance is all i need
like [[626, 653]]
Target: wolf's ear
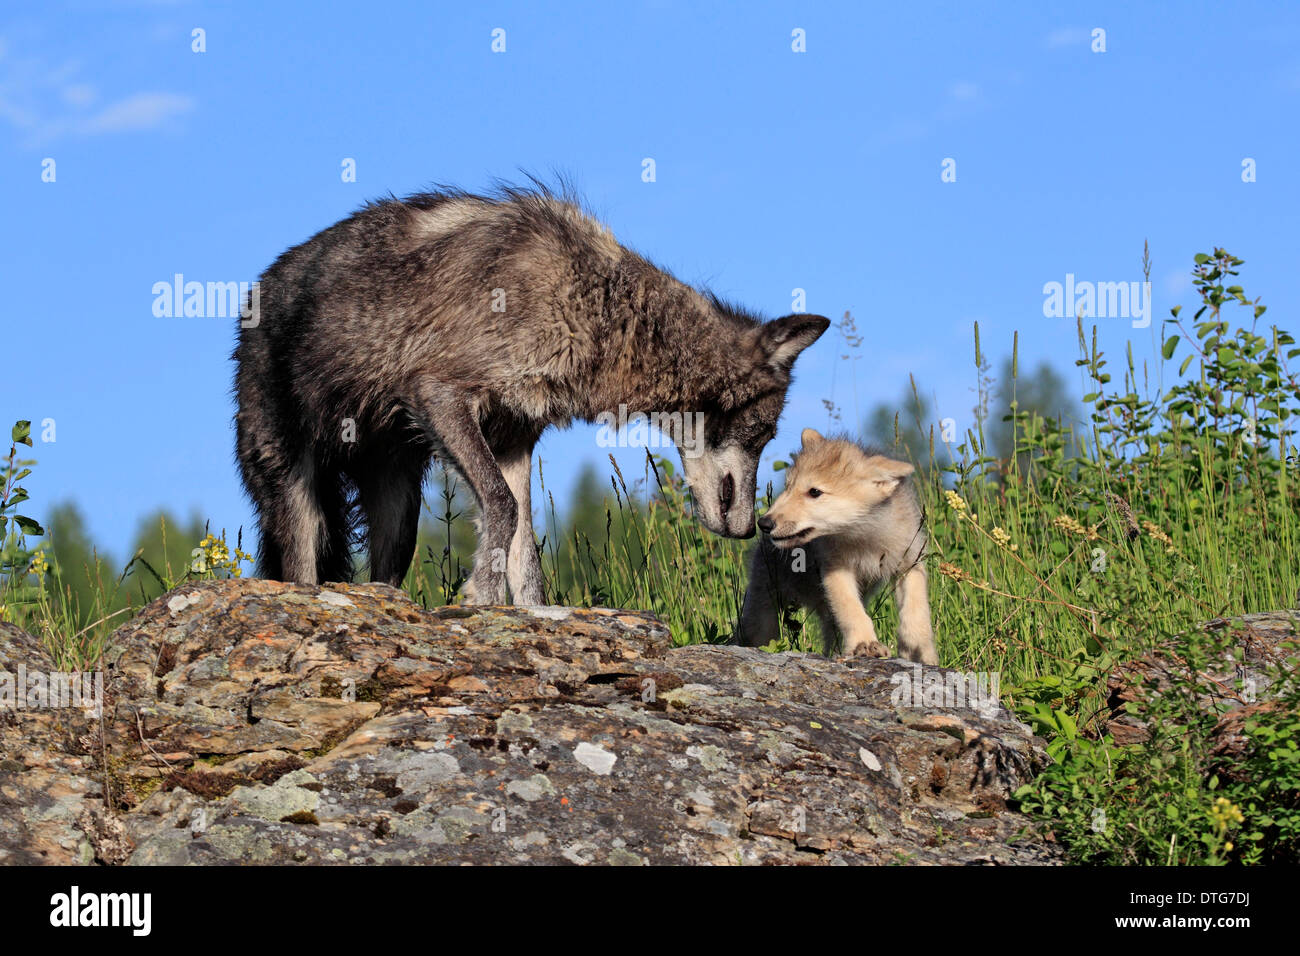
[[810, 437], [887, 474], [783, 339]]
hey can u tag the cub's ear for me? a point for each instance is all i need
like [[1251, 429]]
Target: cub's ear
[[783, 339], [886, 473], [811, 437]]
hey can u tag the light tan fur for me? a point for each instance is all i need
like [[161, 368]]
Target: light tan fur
[[847, 521]]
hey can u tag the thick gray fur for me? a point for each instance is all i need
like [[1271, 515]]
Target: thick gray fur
[[463, 326]]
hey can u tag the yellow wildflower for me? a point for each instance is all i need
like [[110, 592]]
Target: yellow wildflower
[[1003, 539], [213, 555], [39, 566], [1225, 812]]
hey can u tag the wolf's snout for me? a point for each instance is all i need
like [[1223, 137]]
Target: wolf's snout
[[766, 524]]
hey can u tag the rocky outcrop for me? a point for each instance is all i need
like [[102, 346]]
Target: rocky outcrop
[[255, 722]]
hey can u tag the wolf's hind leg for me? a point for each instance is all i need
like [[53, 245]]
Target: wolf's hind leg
[[334, 557], [454, 424], [915, 631], [390, 498], [845, 601], [294, 526]]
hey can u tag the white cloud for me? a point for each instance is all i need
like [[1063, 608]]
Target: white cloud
[[44, 102], [135, 112]]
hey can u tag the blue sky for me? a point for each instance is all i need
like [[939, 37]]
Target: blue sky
[[775, 171]]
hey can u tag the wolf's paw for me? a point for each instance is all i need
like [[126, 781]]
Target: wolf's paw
[[529, 591], [487, 588], [870, 649]]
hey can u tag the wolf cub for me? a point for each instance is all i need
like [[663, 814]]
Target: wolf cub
[[847, 522]]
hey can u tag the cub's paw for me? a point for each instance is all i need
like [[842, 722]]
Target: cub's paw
[[870, 649]]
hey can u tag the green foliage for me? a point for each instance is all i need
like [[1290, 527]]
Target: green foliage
[[1170, 799], [81, 570], [1266, 786], [1188, 509], [1054, 705], [61, 587], [444, 548], [21, 567]]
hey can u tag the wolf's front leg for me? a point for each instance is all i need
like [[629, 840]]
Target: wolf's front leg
[[523, 567], [759, 623], [497, 521], [454, 423], [915, 631], [845, 600], [760, 616]]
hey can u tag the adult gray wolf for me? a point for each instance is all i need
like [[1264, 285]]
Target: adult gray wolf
[[463, 326], [847, 521]]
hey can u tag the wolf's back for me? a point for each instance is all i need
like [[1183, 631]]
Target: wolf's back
[[442, 273]]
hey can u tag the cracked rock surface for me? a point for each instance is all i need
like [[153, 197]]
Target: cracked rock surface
[[257, 722]]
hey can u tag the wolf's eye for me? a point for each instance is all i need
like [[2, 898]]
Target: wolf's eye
[[814, 492]]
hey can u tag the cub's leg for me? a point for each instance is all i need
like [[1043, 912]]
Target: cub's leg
[[851, 618], [915, 632]]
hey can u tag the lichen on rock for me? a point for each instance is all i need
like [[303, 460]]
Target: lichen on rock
[[258, 722]]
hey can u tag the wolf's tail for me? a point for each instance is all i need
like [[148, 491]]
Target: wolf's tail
[[302, 507]]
